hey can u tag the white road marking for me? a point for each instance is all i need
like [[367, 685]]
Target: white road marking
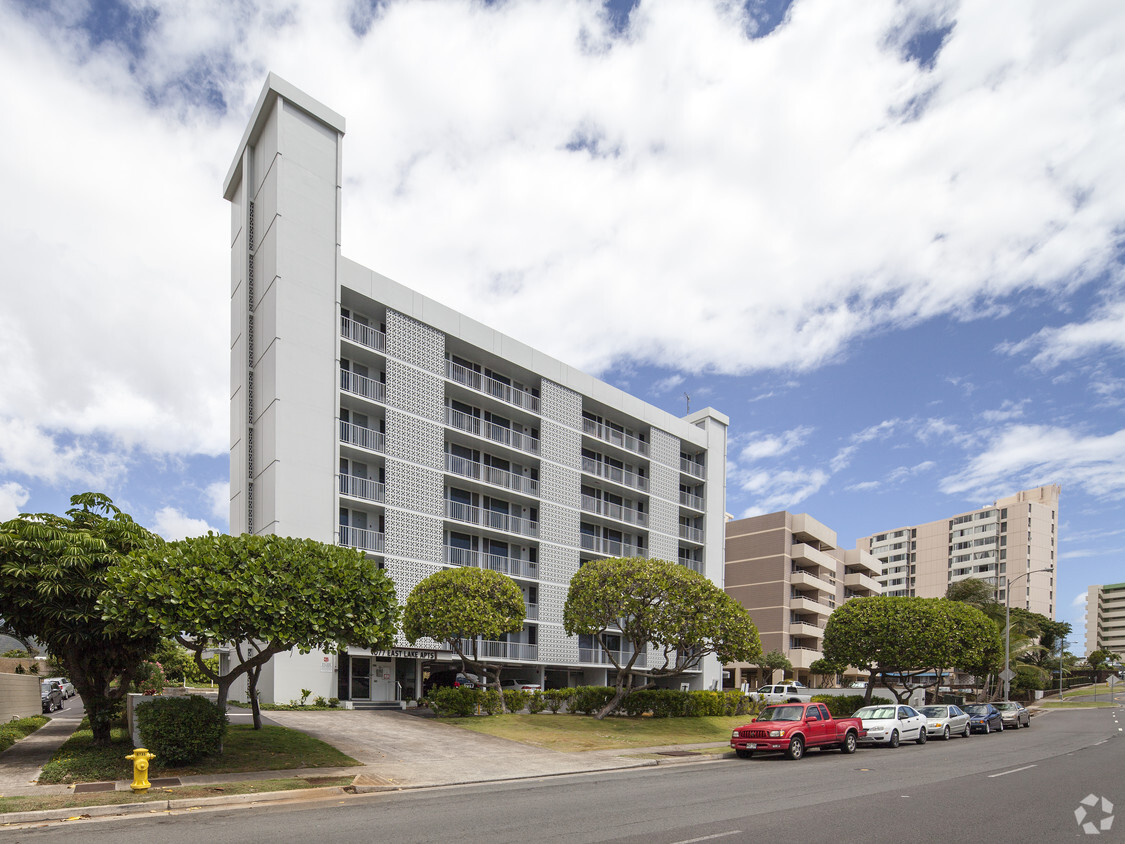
[[1014, 770], [710, 837], [1103, 741]]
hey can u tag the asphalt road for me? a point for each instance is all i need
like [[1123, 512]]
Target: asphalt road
[[1013, 786]]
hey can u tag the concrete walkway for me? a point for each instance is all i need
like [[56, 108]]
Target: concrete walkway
[[21, 763]]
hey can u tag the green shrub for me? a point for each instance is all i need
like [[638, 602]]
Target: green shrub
[[447, 702], [150, 679], [842, 706], [590, 699], [558, 698], [536, 703], [180, 730], [516, 699], [17, 728], [489, 700]]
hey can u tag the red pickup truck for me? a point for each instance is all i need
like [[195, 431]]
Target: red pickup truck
[[795, 727]]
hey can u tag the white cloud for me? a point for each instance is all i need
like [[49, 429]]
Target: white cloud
[[173, 524], [1105, 331], [665, 385], [895, 477], [29, 450], [761, 446], [1080, 599], [1007, 410], [773, 491], [1025, 456], [12, 498], [217, 496]]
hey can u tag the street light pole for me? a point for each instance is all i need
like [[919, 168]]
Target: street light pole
[[1062, 650], [1008, 630]]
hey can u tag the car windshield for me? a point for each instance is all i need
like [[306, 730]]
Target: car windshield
[[782, 713], [875, 712], [977, 708], [934, 711], [1009, 707], [45, 687]]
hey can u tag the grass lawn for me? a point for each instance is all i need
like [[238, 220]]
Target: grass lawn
[[581, 732], [1103, 689], [113, 798], [13, 731], [244, 749], [1074, 704]]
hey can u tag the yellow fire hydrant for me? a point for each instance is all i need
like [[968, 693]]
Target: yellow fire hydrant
[[140, 757]]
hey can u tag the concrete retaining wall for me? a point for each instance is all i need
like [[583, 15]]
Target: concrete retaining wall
[[18, 698]]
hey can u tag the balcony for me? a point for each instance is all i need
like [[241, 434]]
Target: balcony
[[361, 538], [366, 438], [857, 559], [804, 578], [687, 562], [489, 649], [800, 628], [807, 529], [364, 335], [803, 657], [612, 473], [690, 467], [490, 475], [862, 583], [530, 611], [801, 552], [491, 387], [691, 534], [599, 656], [610, 547], [614, 437], [695, 502], [613, 511], [361, 385], [497, 433], [806, 604], [363, 488], [510, 566], [469, 514]]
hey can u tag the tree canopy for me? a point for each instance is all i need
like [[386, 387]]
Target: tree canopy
[[655, 604], [462, 606], [53, 571], [259, 595], [907, 643]]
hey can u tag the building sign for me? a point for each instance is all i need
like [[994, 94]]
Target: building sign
[[404, 653]]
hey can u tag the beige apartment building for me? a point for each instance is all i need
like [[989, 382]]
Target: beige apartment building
[[1105, 618], [1014, 540], [788, 570]]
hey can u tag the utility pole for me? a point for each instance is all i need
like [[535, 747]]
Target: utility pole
[[687, 401]]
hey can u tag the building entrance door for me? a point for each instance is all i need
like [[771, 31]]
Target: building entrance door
[[382, 679], [361, 677]]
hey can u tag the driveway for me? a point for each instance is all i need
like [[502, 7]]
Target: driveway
[[402, 749]]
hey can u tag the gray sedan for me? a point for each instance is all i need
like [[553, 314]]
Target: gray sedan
[[1015, 715], [944, 721]]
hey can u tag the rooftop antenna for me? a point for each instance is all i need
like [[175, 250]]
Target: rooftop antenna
[[687, 402]]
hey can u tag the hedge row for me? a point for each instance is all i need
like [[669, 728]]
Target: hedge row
[[180, 730], [586, 700]]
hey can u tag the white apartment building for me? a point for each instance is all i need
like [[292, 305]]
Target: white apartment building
[[1001, 543], [1105, 618], [365, 414]]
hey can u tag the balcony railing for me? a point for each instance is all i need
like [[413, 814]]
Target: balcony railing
[[599, 656], [612, 473], [691, 534], [365, 540], [361, 385], [490, 386], [531, 611], [505, 565], [613, 511], [691, 500], [490, 649], [490, 519], [690, 467], [364, 488], [614, 437], [694, 565], [365, 335], [610, 547], [490, 475], [367, 438], [497, 433]]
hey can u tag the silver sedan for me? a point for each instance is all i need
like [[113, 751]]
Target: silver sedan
[[1015, 715], [943, 721]]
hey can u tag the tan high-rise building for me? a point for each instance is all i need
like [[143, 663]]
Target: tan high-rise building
[[789, 572], [1000, 544], [1105, 618]]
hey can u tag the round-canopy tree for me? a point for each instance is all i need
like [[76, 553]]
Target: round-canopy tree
[[53, 570], [261, 595], [906, 643], [461, 607], [654, 603]]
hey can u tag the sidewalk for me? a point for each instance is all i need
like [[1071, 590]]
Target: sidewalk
[[21, 763]]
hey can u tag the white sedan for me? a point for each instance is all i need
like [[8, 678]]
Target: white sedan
[[944, 721], [891, 724]]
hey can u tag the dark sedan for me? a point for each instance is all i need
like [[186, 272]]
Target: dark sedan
[[51, 695], [984, 718]]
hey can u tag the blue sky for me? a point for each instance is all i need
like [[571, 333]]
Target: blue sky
[[884, 238]]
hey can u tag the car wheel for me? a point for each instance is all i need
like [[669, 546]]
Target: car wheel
[[923, 736], [945, 734], [743, 753], [1001, 726], [968, 730], [849, 744], [894, 739], [796, 748], [987, 728], [1028, 724], [1017, 725]]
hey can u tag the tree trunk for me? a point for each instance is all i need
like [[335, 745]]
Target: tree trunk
[[618, 695], [252, 686]]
